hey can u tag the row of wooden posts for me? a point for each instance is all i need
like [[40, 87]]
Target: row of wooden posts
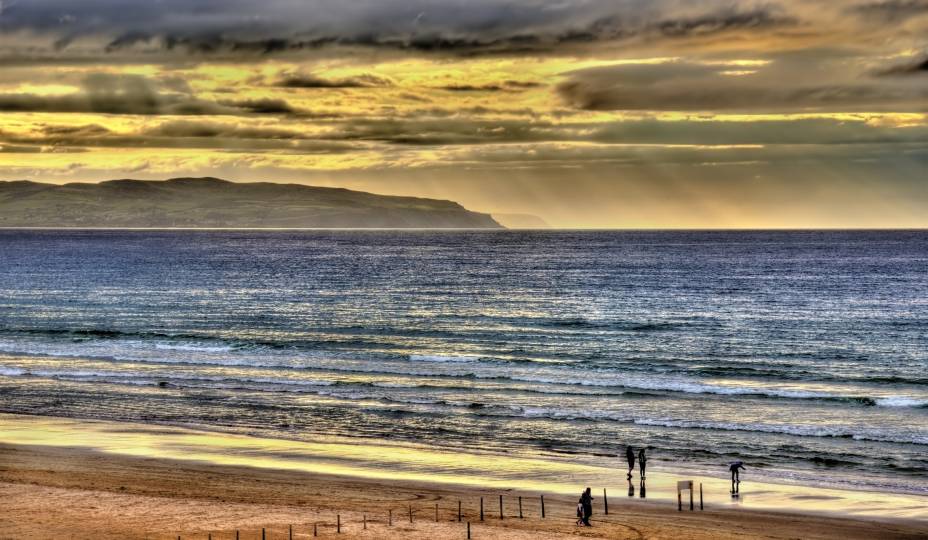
[[338, 517]]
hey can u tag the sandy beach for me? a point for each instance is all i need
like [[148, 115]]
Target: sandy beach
[[66, 493], [70, 490]]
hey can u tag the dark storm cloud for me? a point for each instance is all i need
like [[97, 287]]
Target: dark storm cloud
[[919, 67], [892, 10], [261, 106], [465, 132], [212, 27], [89, 130], [178, 134], [13, 149], [522, 84], [111, 94], [725, 20], [472, 88], [125, 40], [505, 86], [308, 80], [693, 86], [537, 141], [495, 40], [220, 130], [136, 95], [801, 132]]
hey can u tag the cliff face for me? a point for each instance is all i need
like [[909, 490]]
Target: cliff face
[[211, 202]]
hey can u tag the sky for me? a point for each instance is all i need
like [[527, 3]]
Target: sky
[[587, 113]]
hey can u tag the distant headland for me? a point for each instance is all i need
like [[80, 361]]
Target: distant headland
[[217, 203]]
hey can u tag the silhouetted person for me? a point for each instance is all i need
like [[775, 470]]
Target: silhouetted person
[[734, 467], [587, 501], [642, 461], [630, 456]]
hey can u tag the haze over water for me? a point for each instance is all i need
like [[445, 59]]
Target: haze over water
[[802, 353]]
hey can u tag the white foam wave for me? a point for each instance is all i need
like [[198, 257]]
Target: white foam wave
[[901, 401], [545, 379], [189, 347], [441, 358]]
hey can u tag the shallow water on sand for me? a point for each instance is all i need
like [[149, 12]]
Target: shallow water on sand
[[801, 353]]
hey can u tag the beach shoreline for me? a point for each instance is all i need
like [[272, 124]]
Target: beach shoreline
[[89, 487], [78, 493]]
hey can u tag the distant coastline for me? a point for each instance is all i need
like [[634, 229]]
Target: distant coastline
[[212, 203]]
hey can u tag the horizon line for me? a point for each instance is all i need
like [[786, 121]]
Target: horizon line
[[487, 229]]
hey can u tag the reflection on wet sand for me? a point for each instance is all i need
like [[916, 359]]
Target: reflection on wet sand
[[642, 489]]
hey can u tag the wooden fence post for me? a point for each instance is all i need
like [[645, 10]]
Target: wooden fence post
[[481, 508], [315, 530], [468, 530], [436, 512], [501, 507], [542, 506], [700, 495], [459, 511], [262, 533], [520, 506], [605, 502], [291, 532], [410, 513], [390, 519], [338, 523], [365, 521]]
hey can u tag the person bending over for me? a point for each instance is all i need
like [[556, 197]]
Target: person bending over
[[735, 467]]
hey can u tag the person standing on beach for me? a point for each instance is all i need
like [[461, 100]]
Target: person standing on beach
[[734, 467], [642, 461], [630, 456], [587, 501]]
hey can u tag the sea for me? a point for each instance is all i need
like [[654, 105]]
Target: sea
[[802, 353]]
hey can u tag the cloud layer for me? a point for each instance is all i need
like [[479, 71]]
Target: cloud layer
[[462, 27], [481, 100]]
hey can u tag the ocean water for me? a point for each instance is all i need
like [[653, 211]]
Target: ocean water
[[805, 354]]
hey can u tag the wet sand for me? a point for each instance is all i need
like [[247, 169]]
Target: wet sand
[[87, 479], [50, 492]]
